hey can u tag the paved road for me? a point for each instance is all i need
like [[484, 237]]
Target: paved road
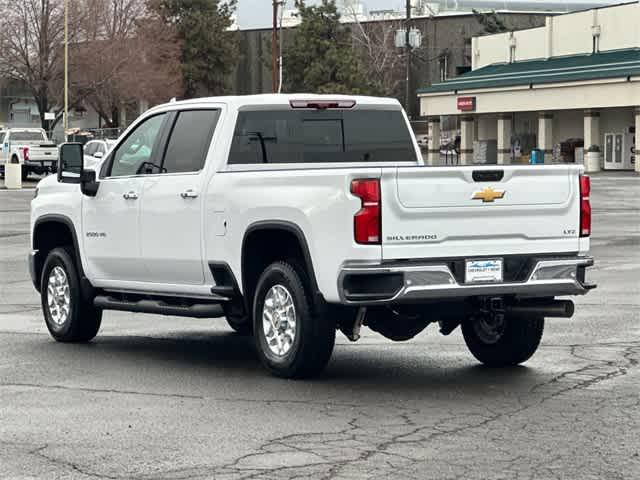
[[156, 397]]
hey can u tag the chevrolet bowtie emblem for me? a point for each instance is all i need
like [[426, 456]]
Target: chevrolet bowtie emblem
[[488, 195]]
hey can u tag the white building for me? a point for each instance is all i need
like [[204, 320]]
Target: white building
[[575, 80]]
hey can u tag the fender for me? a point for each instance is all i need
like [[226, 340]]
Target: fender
[[288, 227], [85, 285]]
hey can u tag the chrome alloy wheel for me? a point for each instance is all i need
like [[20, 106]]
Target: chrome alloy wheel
[[279, 320], [58, 296]]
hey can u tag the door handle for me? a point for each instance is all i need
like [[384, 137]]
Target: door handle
[[130, 196], [189, 194]]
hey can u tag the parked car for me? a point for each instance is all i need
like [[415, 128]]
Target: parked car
[[297, 215], [29, 147], [95, 150]]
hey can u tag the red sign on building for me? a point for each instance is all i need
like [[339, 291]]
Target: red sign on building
[[466, 104]]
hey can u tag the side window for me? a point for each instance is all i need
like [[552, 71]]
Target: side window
[[90, 148], [134, 156], [189, 141]]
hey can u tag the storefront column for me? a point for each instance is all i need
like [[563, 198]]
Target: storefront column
[[592, 141], [433, 152], [467, 135], [545, 135], [504, 138], [637, 135]]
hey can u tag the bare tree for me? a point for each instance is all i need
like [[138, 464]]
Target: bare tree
[[31, 40], [383, 61], [124, 54]]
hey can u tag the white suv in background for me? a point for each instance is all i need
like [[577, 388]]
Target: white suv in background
[[95, 150]]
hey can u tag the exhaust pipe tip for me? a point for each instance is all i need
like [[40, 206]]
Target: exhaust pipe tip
[[546, 308]]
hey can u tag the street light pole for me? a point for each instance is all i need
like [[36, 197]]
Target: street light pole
[[407, 100], [66, 68], [274, 49]]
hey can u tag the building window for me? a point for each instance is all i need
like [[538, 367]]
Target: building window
[[444, 68]]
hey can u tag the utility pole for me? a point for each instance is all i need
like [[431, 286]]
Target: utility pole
[[407, 100], [274, 48], [66, 68]]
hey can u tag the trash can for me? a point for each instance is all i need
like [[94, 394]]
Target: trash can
[[537, 156], [13, 175]]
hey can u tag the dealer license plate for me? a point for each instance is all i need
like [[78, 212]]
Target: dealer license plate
[[483, 271]]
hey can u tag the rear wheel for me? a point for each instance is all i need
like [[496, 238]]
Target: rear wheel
[[501, 342], [67, 315], [291, 338]]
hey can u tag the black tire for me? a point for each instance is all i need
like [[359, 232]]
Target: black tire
[[314, 337], [83, 320], [241, 325], [517, 342]]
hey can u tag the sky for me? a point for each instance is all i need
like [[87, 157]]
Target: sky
[[257, 13]]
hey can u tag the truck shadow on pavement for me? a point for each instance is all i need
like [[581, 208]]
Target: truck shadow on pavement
[[374, 367]]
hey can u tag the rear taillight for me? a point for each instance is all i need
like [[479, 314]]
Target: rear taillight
[[585, 206], [25, 153], [367, 221]]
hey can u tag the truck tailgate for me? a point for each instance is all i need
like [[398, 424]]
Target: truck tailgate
[[476, 211], [43, 153]]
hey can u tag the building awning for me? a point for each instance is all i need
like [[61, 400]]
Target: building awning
[[572, 68]]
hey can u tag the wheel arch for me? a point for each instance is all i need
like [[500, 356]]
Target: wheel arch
[[51, 231], [270, 229]]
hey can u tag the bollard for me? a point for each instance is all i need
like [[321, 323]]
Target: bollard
[[13, 175], [592, 162]]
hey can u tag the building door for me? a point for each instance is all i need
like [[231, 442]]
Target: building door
[[614, 151]]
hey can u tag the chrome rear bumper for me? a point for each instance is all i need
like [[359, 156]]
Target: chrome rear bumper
[[384, 284]]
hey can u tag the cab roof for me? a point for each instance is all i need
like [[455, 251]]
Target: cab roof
[[281, 99]]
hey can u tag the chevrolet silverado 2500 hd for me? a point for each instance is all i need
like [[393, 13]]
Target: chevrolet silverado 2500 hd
[[298, 215]]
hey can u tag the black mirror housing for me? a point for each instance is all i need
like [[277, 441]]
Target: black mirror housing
[[70, 162], [71, 169], [88, 184]]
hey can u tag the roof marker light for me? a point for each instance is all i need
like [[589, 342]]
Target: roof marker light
[[322, 104]]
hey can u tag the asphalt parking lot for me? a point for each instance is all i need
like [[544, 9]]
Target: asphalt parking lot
[[160, 397]]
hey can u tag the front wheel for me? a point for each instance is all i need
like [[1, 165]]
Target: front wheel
[[67, 315], [292, 340], [503, 341]]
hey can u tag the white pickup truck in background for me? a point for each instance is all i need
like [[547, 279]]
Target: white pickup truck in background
[[29, 147], [298, 215]]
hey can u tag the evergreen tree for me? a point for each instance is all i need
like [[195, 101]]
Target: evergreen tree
[[321, 57], [209, 49], [491, 22]]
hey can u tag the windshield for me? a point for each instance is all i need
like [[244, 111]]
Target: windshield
[[27, 137]]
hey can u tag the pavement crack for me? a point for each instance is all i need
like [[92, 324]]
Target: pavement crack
[[101, 390]]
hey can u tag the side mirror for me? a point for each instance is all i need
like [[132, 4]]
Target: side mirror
[[98, 155], [71, 169], [70, 160]]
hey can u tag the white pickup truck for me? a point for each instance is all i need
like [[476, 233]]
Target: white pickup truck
[[298, 215], [29, 147]]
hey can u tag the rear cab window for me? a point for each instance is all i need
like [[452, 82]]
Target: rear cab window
[[304, 136], [27, 136]]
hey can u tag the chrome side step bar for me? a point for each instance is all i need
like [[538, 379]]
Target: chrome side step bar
[[159, 306]]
